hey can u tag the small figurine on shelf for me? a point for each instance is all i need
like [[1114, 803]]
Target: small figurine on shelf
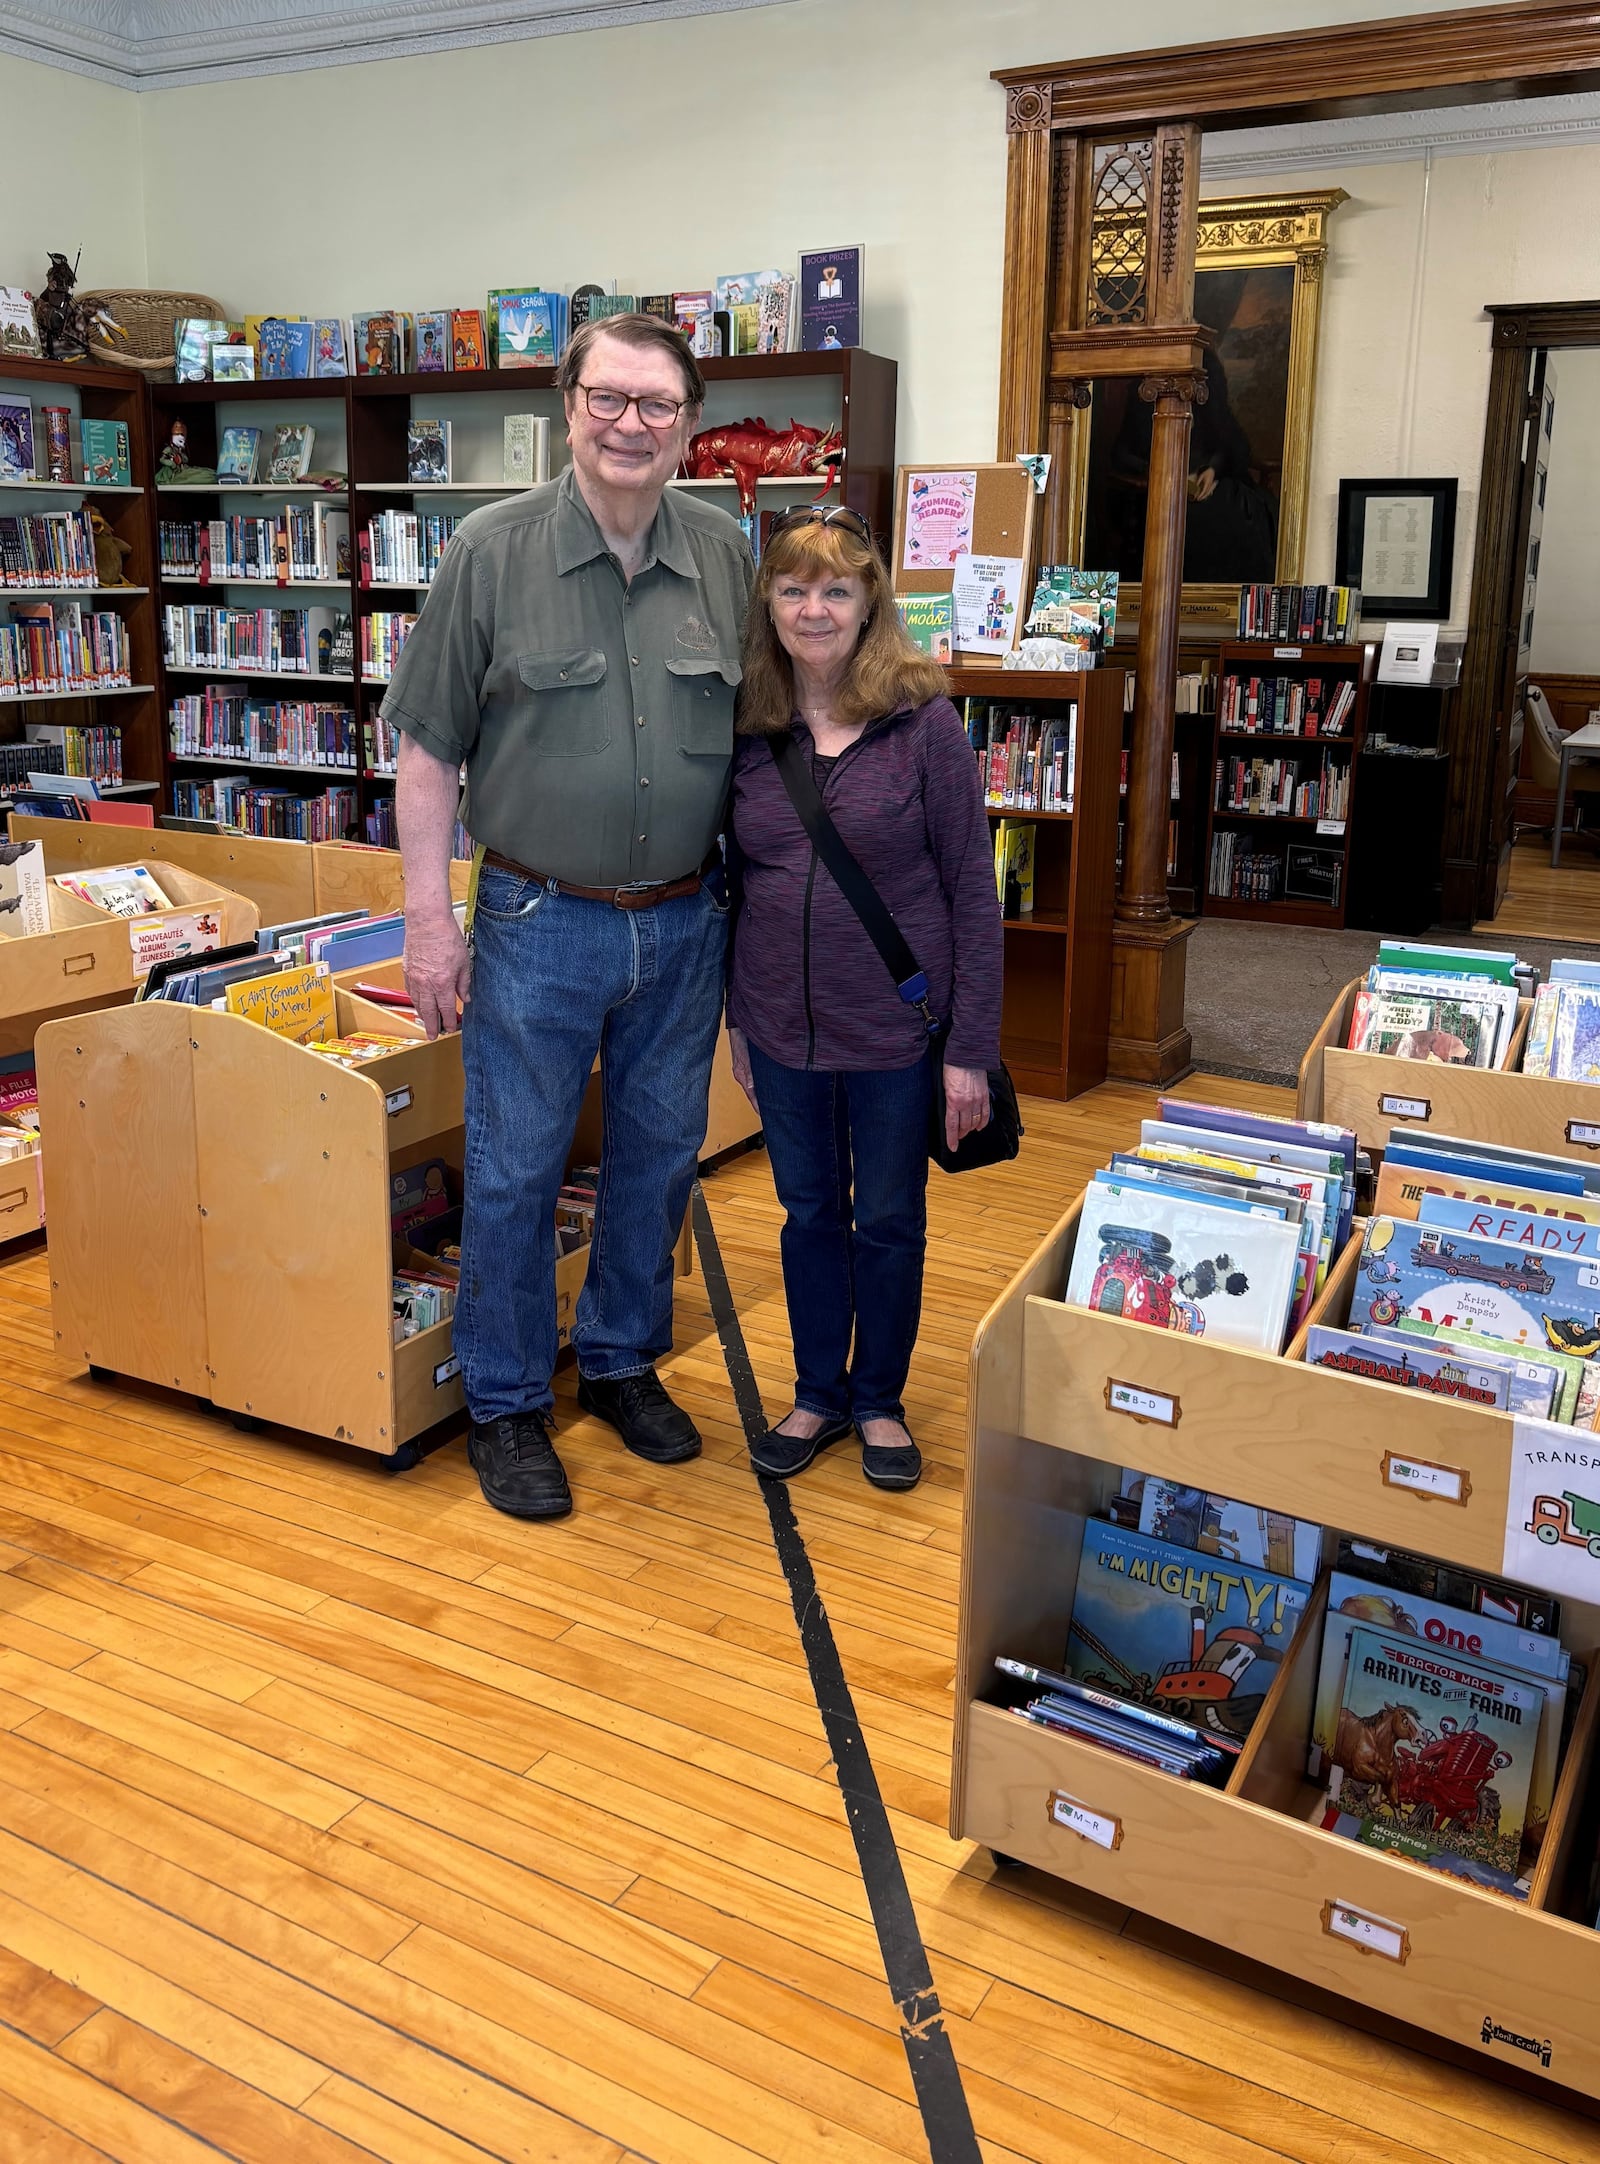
[[111, 552], [744, 451], [65, 323], [173, 469]]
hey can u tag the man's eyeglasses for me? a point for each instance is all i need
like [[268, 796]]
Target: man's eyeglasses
[[654, 411], [818, 514]]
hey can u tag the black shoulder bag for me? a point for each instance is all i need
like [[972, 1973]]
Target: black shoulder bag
[[1000, 1138]]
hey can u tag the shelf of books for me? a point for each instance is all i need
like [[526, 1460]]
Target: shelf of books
[[1048, 750], [347, 489], [1290, 718], [1442, 1040], [79, 649], [1300, 1582]]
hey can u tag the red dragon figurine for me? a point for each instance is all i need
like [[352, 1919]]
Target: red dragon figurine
[[743, 450]]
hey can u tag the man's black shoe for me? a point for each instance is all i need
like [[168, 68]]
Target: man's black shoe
[[638, 1407], [517, 1466]]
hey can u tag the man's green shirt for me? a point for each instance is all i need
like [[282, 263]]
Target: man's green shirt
[[594, 718]]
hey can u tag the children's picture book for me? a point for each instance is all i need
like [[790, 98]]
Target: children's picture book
[[1014, 844], [742, 289], [1576, 1053], [658, 305], [427, 450], [294, 1003], [527, 449], [466, 340], [931, 621], [830, 299], [273, 350], [1528, 1228], [418, 1194], [19, 329], [433, 342], [1236, 1532], [377, 343], [16, 440], [237, 455], [1434, 1755], [1401, 1190], [1493, 1286], [1440, 1371], [290, 457], [195, 337], [1543, 1385], [692, 314], [106, 457], [233, 364], [1173, 1628], [1444, 1032], [122, 890], [24, 891], [330, 354], [1197, 1267], [528, 330]]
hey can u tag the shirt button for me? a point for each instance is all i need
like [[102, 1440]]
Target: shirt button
[[641, 837], [634, 659], [639, 718], [644, 781]]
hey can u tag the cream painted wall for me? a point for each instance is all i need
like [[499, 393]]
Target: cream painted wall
[[1566, 623], [657, 156], [1403, 378], [74, 178]]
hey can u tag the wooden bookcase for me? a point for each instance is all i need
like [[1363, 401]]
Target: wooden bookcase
[[1057, 1011], [1246, 1866], [1267, 833], [96, 393], [361, 426], [219, 1203]]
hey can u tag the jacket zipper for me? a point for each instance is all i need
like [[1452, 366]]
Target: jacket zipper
[[805, 920]]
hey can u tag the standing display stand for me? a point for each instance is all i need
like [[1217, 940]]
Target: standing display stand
[[219, 1202], [1246, 1866]]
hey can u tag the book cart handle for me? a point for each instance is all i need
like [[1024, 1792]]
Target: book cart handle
[[77, 965]]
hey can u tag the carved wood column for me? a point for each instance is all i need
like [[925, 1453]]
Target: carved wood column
[[1143, 899], [1024, 320]]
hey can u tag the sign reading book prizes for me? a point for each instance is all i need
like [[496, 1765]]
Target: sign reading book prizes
[[1553, 1510]]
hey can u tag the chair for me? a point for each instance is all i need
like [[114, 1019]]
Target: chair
[[1544, 757]]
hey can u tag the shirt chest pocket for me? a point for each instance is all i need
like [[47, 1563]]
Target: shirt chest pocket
[[568, 715], [702, 703]]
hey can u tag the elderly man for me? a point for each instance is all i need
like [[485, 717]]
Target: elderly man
[[579, 655]]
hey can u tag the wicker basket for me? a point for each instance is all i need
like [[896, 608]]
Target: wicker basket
[[149, 319]]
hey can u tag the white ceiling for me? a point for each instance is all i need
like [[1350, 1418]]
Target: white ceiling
[[1240, 154], [153, 44]]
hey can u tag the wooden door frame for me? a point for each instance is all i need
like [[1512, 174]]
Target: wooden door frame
[[1528, 48], [1471, 854]]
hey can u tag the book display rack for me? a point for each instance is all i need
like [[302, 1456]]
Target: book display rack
[[197, 1161], [87, 393], [1062, 1398], [361, 426], [1056, 1017], [1283, 781]]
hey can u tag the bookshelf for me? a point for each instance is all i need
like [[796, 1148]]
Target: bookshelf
[[1301, 858], [95, 393], [1056, 1017], [361, 424], [1047, 1444]]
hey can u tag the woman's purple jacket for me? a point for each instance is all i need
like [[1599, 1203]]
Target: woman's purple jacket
[[806, 984]]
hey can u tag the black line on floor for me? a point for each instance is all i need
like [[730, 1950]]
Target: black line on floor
[[935, 2074]]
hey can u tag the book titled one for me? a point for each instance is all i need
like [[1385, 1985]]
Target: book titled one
[[527, 449], [294, 1003]]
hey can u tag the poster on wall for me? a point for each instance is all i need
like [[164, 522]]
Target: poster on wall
[[939, 509]]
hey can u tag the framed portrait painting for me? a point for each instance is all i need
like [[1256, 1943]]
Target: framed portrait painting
[[1258, 291]]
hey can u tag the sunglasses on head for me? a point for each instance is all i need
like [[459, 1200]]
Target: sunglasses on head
[[818, 514]]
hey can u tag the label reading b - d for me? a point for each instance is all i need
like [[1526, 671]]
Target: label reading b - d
[[1141, 1404]]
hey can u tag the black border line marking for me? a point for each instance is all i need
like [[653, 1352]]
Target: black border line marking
[[935, 2075]]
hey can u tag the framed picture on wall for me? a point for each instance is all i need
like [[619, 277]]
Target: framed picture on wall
[[1397, 543]]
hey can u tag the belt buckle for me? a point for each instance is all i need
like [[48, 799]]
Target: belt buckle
[[636, 895]]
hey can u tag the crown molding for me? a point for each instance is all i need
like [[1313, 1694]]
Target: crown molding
[[1386, 138], [159, 44]]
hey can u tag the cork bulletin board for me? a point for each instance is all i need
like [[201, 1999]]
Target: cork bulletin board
[[949, 509]]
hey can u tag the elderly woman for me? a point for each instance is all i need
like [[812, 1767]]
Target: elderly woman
[[835, 1061]]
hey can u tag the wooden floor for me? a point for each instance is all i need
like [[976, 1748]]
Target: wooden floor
[[1542, 903], [341, 1820]]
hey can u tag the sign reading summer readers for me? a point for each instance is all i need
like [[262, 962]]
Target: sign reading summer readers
[[939, 511], [1553, 1510]]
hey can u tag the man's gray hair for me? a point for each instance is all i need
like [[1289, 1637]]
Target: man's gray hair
[[634, 330]]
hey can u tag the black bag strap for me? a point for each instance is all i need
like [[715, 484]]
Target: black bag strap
[[850, 879]]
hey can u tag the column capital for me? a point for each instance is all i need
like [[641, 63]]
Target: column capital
[[1191, 389]]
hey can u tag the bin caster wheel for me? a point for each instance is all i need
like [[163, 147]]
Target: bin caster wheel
[[402, 1460], [246, 1423], [1003, 1862]]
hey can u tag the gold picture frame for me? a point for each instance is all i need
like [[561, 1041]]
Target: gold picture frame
[[1241, 234]]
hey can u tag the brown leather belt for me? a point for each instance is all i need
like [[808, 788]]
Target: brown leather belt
[[642, 897]]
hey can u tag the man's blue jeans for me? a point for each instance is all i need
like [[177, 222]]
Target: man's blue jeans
[[554, 979], [849, 1156]]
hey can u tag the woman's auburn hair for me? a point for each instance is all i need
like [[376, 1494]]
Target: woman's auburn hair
[[888, 670]]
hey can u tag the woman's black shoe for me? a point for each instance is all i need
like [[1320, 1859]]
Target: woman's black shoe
[[517, 1466], [893, 1465], [638, 1407], [780, 1457]]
